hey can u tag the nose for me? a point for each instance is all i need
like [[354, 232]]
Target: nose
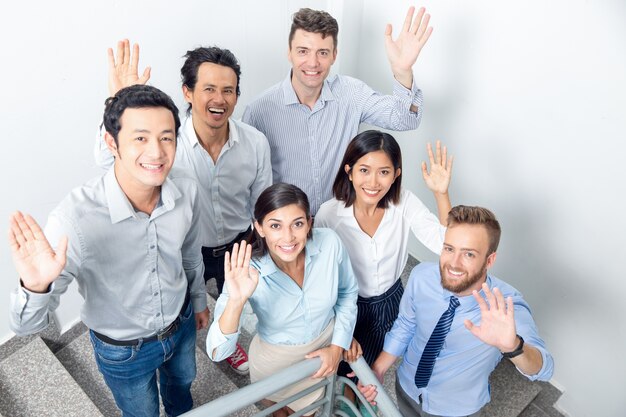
[[155, 148], [288, 235], [218, 97], [312, 60]]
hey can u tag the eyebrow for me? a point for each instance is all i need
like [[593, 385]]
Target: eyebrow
[[280, 221], [461, 249], [383, 167], [148, 131]]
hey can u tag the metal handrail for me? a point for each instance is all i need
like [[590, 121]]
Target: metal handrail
[[250, 394]]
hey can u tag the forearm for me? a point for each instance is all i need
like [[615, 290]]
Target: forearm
[[529, 362], [443, 206], [382, 364], [229, 320]]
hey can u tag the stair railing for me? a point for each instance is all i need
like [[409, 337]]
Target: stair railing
[[230, 403]]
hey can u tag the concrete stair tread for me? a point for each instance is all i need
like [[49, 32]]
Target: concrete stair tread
[[212, 381], [34, 383], [511, 392]]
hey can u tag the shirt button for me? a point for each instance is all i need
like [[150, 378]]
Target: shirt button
[[156, 293], [158, 314], [151, 246], [153, 270]]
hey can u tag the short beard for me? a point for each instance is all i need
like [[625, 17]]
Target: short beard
[[462, 286]]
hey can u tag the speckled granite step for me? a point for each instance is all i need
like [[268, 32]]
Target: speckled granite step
[[34, 383]]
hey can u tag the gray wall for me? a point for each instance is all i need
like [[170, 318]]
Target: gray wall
[[530, 97]]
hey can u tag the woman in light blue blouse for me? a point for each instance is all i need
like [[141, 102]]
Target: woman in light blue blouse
[[300, 284]]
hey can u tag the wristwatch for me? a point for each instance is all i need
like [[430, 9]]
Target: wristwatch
[[518, 351]]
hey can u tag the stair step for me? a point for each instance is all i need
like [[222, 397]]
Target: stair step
[[34, 383], [511, 392], [78, 358]]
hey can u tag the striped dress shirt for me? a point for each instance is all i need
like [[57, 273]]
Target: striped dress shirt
[[307, 145]]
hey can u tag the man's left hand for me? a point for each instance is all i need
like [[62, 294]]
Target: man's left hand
[[202, 319], [403, 52], [497, 321]]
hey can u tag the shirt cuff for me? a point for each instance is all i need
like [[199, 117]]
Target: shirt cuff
[[394, 346], [547, 366], [199, 303], [223, 344], [412, 96], [341, 338]]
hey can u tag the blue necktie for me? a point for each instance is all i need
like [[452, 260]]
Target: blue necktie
[[434, 345]]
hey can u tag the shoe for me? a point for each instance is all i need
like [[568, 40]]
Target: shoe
[[239, 361]]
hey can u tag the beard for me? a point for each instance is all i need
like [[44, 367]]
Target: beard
[[459, 286]]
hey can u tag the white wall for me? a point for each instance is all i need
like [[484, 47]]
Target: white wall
[[53, 83], [531, 98]]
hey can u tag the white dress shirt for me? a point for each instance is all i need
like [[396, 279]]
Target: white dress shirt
[[228, 189], [378, 261]]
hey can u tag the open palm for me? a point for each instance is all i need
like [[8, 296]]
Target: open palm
[[35, 260], [438, 178], [241, 279], [123, 71]]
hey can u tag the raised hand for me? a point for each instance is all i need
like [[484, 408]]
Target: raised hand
[[241, 279], [403, 51], [330, 356], [438, 178], [123, 70], [497, 321], [35, 260]]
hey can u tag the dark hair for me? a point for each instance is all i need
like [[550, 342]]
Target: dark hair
[[135, 97], [272, 198], [480, 216], [213, 55], [361, 145], [314, 21]]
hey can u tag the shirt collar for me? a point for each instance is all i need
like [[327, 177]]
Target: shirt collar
[[189, 133], [266, 266], [120, 207], [290, 96]]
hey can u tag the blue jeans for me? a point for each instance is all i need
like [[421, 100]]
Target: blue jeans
[[130, 371]]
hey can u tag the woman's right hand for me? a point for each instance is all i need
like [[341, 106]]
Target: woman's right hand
[[241, 279], [354, 352]]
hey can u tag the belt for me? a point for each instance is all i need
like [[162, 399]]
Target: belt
[[160, 335], [219, 251]]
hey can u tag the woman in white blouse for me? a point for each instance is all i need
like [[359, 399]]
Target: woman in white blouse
[[374, 216]]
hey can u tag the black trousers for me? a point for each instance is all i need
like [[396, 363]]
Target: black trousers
[[375, 318]]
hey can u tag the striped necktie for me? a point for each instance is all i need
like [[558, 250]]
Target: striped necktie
[[434, 345]]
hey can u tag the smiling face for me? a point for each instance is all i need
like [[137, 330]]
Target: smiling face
[[214, 96], [372, 176], [285, 232], [464, 259], [145, 149], [311, 57]]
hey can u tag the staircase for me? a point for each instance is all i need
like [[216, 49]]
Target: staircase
[[56, 375]]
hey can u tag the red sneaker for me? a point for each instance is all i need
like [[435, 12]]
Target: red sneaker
[[239, 361]]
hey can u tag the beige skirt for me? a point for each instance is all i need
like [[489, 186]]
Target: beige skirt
[[266, 359]]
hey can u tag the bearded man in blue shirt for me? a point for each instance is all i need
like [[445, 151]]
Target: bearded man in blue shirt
[[456, 322]]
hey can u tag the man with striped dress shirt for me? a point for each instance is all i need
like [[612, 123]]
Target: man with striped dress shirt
[[310, 117]]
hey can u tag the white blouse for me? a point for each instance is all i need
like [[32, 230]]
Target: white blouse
[[378, 261]]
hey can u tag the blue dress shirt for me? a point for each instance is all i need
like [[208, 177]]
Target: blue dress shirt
[[290, 315], [307, 145], [459, 384]]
